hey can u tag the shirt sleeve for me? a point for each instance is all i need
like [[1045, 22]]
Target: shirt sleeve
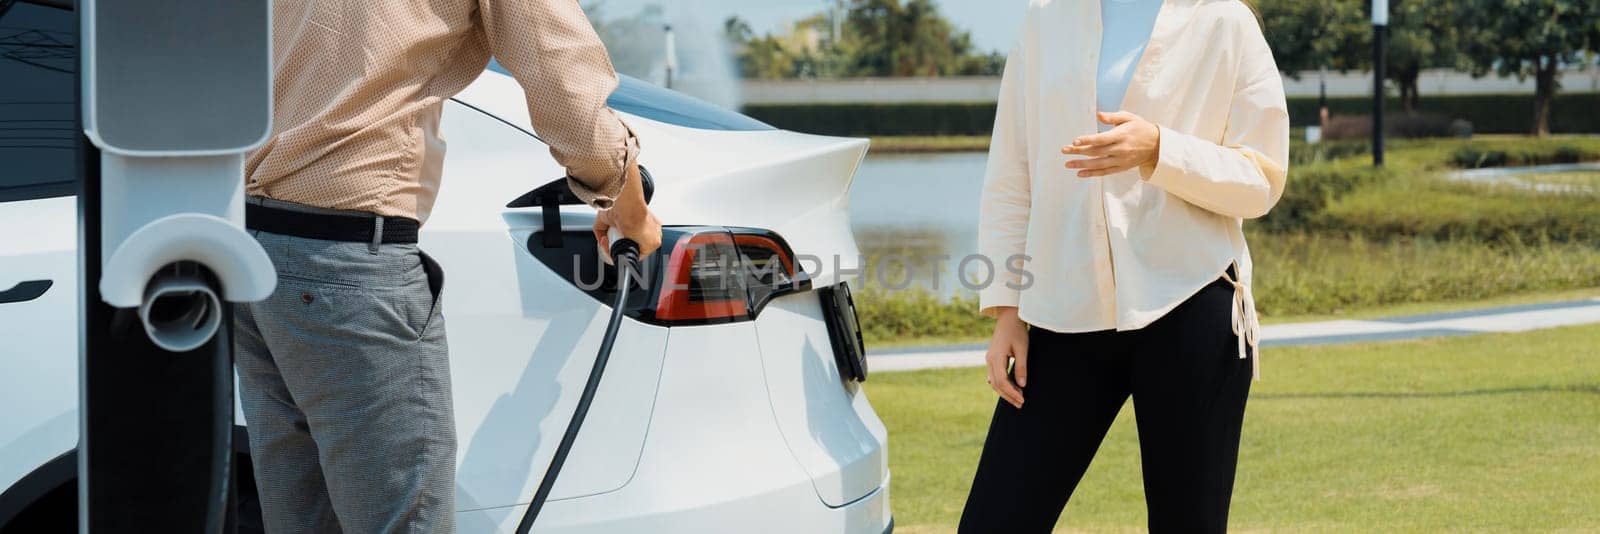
[[1244, 175], [552, 50], [1007, 190]]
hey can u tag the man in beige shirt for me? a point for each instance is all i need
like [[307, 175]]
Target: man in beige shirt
[[344, 371]]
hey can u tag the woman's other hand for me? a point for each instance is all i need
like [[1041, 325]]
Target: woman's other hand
[[1010, 342], [1131, 143]]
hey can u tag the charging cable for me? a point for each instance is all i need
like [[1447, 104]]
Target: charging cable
[[625, 257]]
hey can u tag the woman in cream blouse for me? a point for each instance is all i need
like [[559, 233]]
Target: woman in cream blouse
[[1132, 140]]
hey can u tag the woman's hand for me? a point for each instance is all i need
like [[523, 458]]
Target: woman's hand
[[1010, 342], [1131, 143]]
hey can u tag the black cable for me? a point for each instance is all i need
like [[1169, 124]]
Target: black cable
[[220, 513], [625, 254]]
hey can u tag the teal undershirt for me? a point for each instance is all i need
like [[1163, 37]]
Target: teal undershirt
[[1127, 26]]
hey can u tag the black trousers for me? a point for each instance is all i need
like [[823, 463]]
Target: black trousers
[[1189, 388]]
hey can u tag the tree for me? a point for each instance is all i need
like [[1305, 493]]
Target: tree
[[1337, 35], [1526, 38], [1307, 36], [1422, 35], [890, 38], [880, 38], [765, 57], [737, 30]]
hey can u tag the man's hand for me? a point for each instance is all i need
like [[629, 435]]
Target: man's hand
[[1132, 143], [631, 216], [1010, 342]]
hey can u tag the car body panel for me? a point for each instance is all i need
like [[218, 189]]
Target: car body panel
[[39, 387], [825, 420], [775, 512], [522, 340], [794, 184], [714, 461]]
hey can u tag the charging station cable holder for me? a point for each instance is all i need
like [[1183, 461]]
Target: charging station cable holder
[[174, 94]]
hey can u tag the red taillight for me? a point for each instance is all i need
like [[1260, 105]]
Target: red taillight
[[719, 274], [703, 280], [766, 261], [700, 275]]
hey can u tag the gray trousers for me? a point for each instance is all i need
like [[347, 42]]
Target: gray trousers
[[345, 383]]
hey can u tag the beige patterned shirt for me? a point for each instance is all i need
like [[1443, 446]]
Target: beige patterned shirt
[[360, 85]]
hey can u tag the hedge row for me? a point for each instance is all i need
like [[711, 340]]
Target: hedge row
[[866, 120], [1571, 113]]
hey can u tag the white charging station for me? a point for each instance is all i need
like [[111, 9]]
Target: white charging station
[[174, 94]]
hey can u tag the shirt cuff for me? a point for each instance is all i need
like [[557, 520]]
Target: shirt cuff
[[992, 299], [603, 196], [1165, 169]]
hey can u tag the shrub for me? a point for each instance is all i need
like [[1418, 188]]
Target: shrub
[[865, 120], [1301, 153], [1435, 209], [1311, 188], [1472, 158], [1504, 113], [1477, 156], [889, 317]]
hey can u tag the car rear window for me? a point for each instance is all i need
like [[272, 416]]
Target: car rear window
[[38, 101]]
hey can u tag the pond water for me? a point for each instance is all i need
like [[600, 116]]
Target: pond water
[[920, 208]]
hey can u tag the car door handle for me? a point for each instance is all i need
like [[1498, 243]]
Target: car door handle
[[25, 291]]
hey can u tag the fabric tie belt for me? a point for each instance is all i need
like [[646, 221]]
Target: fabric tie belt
[[1246, 325]]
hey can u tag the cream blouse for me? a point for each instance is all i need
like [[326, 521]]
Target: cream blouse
[[1121, 251]]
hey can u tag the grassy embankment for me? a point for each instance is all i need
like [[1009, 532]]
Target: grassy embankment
[[929, 144], [1351, 241], [1492, 433]]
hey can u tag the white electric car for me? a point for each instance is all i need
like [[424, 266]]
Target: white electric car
[[726, 407]]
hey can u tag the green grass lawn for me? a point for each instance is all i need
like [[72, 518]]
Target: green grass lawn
[[1488, 433]]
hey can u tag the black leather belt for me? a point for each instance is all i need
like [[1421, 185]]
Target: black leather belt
[[330, 227]]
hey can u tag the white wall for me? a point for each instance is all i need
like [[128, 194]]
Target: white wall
[[1440, 82], [871, 90]]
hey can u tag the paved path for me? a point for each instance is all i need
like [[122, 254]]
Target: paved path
[[1503, 319], [1513, 176]]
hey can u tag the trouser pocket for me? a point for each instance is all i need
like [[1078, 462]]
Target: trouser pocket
[[435, 276]]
